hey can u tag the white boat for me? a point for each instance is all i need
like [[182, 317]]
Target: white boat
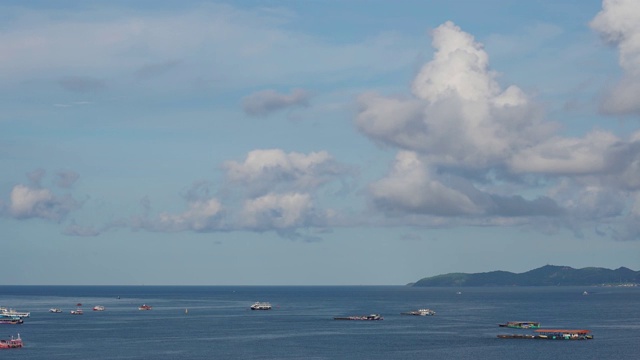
[[261, 306], [77, 312], [55, 310], [98, 308]]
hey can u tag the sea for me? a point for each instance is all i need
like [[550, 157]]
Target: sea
[[215, 322]]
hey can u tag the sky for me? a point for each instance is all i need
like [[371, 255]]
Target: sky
[[316, 142]]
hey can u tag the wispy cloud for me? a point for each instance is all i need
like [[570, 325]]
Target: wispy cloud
[[266, 102]]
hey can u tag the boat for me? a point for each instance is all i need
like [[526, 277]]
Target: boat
[[11, 312], [552, 334], [11, 320], [261, 306], [55, 310], [77, 312], [98, 308], [363, 317], [585, 293], [521, 324], [562, 334], [144, 307], [420, 312], [12, 343]]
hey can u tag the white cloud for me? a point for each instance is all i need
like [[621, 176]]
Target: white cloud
[[409, 188], [459, 115], [619, 25], [201, 215], [587, 155], [264, 169], [279, 211], [27, 202]]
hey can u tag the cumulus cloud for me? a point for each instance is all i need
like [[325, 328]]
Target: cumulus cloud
[[466, 145], [28, 202], [280, 211], [266, 169], [458, 115], [566, 156], [204, 213], [619, 25], [265, 102], [201, 216], [409, 188]]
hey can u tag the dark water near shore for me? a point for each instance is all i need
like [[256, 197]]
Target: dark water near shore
[[219, 324]]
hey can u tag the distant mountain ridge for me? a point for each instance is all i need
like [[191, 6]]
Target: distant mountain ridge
[[548, 275]]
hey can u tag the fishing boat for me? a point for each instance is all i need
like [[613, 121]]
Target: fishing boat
[[521, 324], [98, 308], [144, 307], [371, 317], [261, 306], [77, 311], [55, 310], [12, 343], [420, 312]]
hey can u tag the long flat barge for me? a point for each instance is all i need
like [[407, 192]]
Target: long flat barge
[[552, 334]]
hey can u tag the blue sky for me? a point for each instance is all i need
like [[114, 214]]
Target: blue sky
[[316, 142]]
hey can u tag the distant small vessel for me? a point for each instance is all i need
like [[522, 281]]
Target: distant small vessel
[[521, 324], [77, 312], [12, 343], [459, 293], [363, 317], [585, 293], [55, 310], [420, 312], [98, 308], [144, 307], [261, 306], [79, 304]]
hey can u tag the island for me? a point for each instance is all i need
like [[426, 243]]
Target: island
[[548, 275]]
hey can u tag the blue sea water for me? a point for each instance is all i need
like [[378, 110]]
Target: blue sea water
[[219, 324]]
